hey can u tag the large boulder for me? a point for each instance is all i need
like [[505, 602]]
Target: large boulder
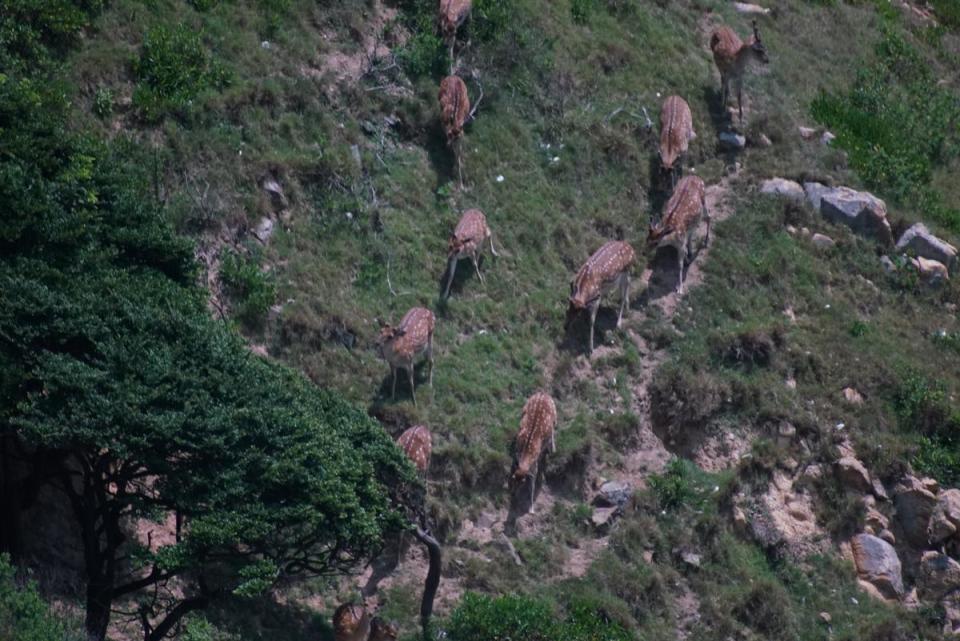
[[914, 503], [861, 211], [945, 519], [815, 192], [918, 241], [783, 187], [938, 575], [878, 564], [852, 474]]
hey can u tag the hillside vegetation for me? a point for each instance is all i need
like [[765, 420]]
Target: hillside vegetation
[[213, 206]]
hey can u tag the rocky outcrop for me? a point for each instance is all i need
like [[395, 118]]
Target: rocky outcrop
[[945, 519], [917, 241], [915, 504], [938, 575], [878, 564], [852, 474], [861, 211]]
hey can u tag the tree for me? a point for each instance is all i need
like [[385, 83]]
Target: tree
[[117, 388]]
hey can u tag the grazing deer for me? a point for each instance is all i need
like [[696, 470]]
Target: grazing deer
[[676, 132], [400, 345], [680, 218], [417, 444], [454, 113], [608, 267], [732, 55], [452, 14], [537, 426], [352, 622], [467, 240]]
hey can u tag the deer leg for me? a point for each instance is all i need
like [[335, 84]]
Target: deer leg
[[553, 441], [593, 319], [492, 250], [430, 359], [533, 483], [458, 151], [451, 270], [724, 89], [413, 385], [476, 265], [393, 389], [740, 97], [682, 258], [706, 214], [624, 296]]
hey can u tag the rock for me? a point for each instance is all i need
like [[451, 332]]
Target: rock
[[786, 432], [914, 505], [919, 242], [951, 610], [690, 558], [800, 511], [807, 132], [852, 396], [938, 575], [783, 187], [879, 491], [826, 618], [743, 7], [648, 556], [740, 522], [931, 484], [852, 474], [931, 271], [763, 140], [859, 210], [871, 590], [888, 536], [277, 199], [827, 138], [911, 601], [876, 519], [815, 192], [731, 140], [822, 242], [887, 264], [602, 517], [945, 519], [813, 472], [791, 230], [264, 229], [613, 494], [878, 564]]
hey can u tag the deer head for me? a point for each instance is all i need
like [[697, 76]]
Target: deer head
[[454, 245], [381, 630], [757, 47]]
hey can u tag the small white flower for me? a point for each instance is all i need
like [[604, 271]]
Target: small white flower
[[349, 215], [840, 426], [556, 159], [500, 178], [658, 94], [827, 306]]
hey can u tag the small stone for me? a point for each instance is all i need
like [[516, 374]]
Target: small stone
[[264, 229], [691, 558], [852, 396], [887, 264], [750, 9], [602, 517], [783, 187], [731, 140], [613, 494], [648, 556], [879, 491], [791, 230], [822, 242], [277, 199], [740, 519], [930, 484], [826, 618], [791, 383], [827, 138], [806, 132], [876, 519], [763, 140]]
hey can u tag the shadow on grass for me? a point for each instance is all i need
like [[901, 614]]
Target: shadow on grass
[[263, 619]]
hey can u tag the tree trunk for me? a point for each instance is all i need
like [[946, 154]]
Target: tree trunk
[[99, 599], [433, 579]]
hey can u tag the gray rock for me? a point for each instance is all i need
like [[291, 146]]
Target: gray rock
[[603, 517], [822, 242], [914, 504], [951, 610], [878, 564], [861, 211], [264, 229], [918, 241], [731, 140], [783, 187], [613, 494], [277, 198], [945, 519], [815, 192], [938, 575], [747, 8], [691, 558], [852, 474], [887, 264], [827, 138]]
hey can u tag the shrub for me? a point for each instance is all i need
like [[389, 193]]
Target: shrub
[[103, 102], [250, 289], [675, 487], [581, 10], [23, 614], [173, 69]]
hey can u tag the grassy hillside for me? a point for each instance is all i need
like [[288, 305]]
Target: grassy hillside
[[336, 102]]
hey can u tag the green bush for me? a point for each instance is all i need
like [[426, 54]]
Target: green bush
[[250, 289], [948, 12], [173, 69], [581, 10], [103, 102], [923, 407], [675, 487], [23, 614]]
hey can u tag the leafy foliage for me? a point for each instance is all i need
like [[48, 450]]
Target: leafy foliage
[[252, 289], [23, 614]]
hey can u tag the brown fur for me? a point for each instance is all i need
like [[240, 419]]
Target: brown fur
[[537, 426], [380, 630], [731, 56], [351, 622], [467, 240], [676, 130], [454, 107], [402, 344], [452, 14], [608, 267], [417, 443], [681, 215]]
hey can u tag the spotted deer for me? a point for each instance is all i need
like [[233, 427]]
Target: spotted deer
[[676, 132], [537, 426], [608, 267], [454, 113], [681, 215], [467, 240], [452, 14], [417, 444], [732, 56], [352, 622], [402, 344]]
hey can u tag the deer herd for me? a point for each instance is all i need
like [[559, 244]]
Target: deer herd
[[607, 269]]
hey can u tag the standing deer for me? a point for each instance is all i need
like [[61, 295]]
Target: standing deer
[[608, 267], [452, 14], [417, 444], [680, 218], [676, 132], [537, 426], [732, 56], [400, 345], [352, 622], [454, 113], [467, 240]]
